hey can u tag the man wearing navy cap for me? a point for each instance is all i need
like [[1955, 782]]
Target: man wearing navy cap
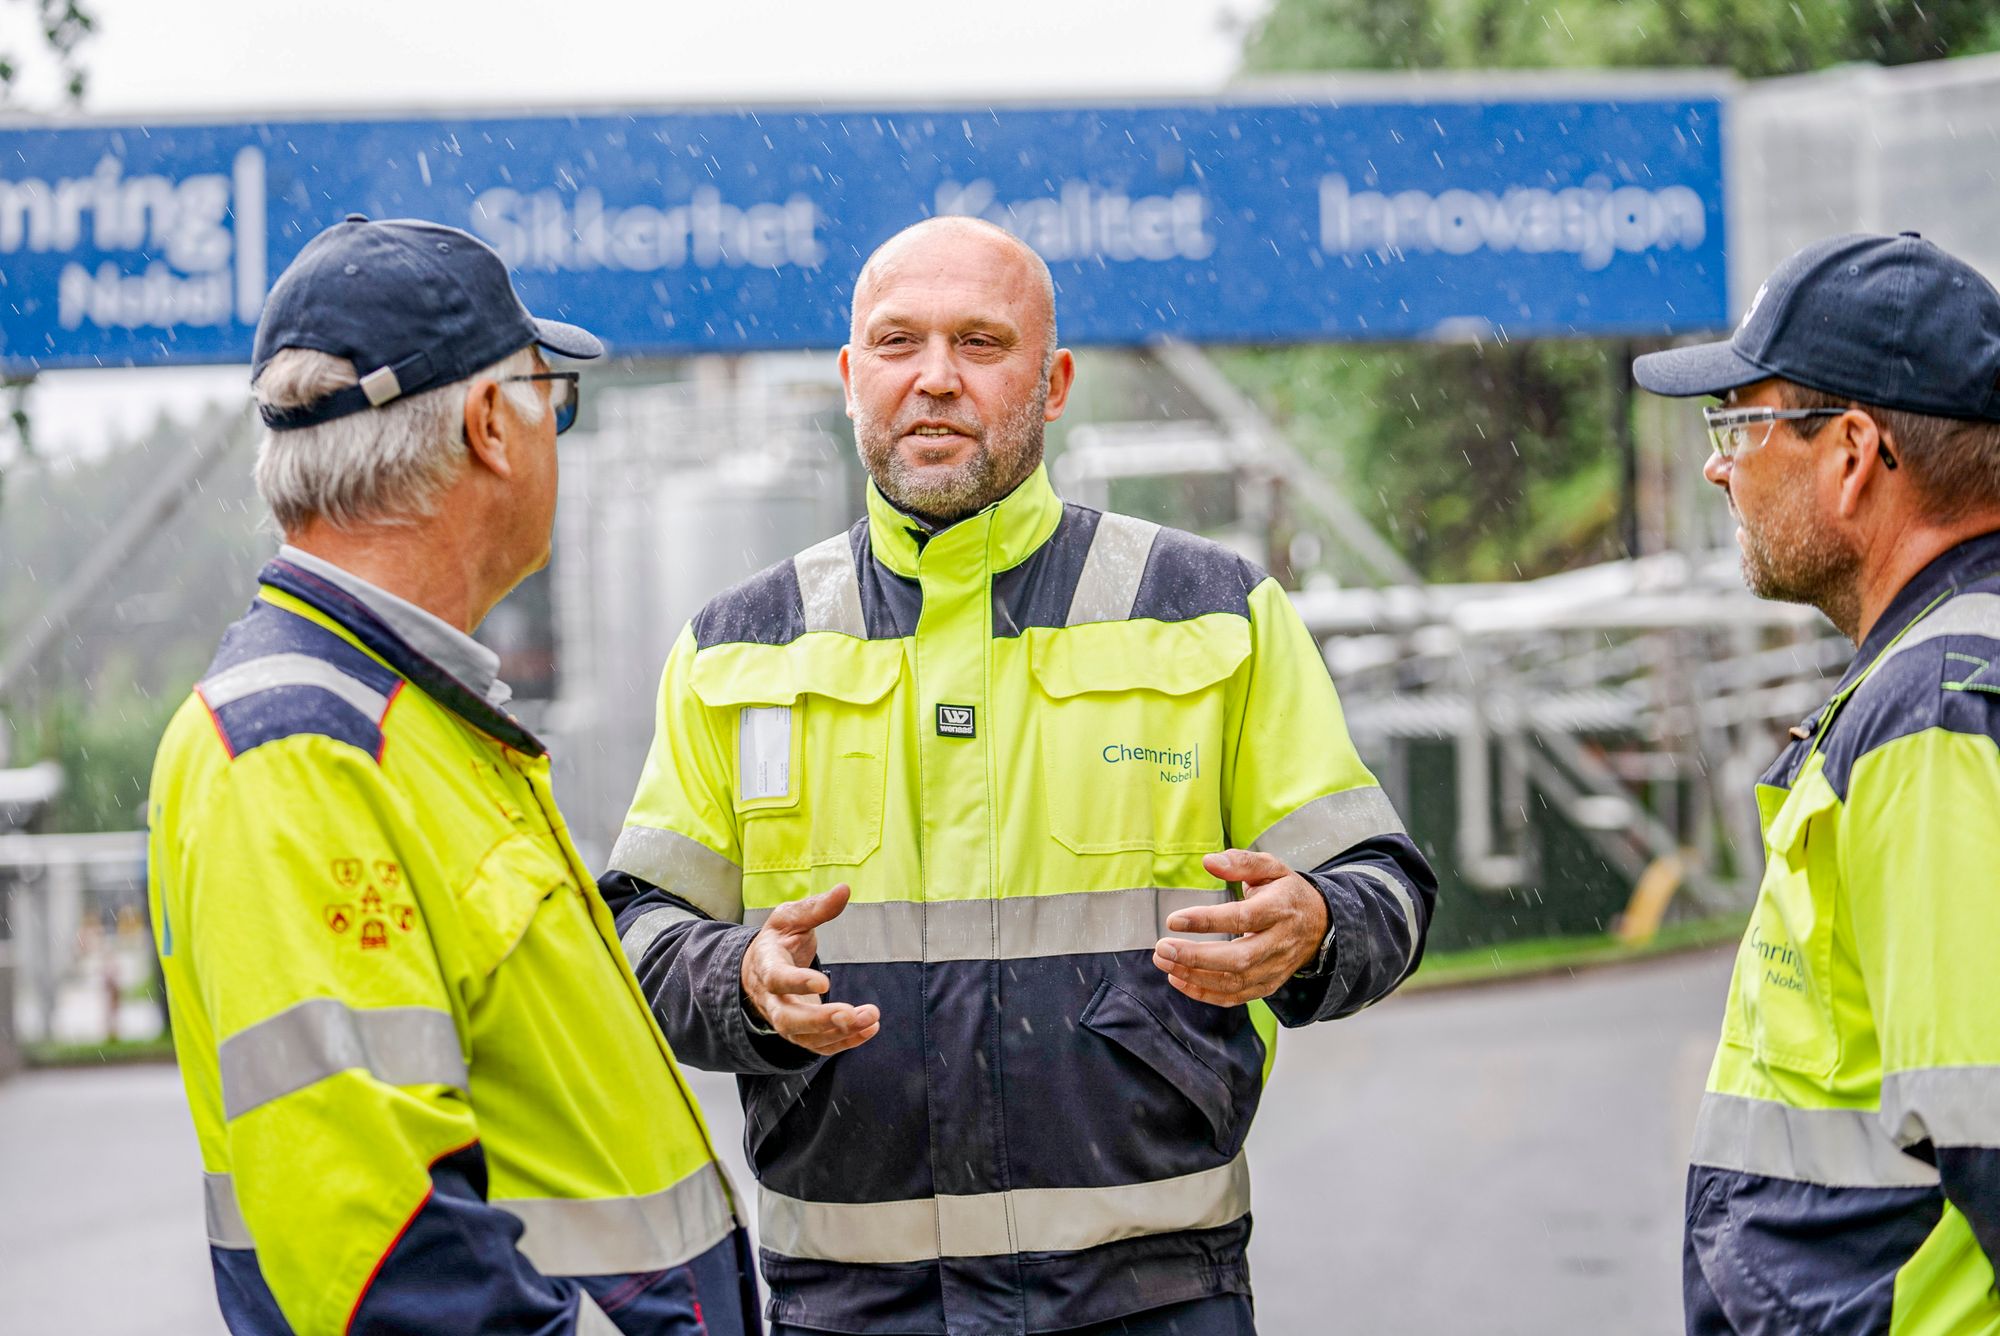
[[428, 1091], [1846, 1172]]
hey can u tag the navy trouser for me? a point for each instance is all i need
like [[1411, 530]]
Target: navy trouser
[[1218, 1315], [714, 1294]]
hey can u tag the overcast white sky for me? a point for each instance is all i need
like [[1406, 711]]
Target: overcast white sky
[[230, 57]]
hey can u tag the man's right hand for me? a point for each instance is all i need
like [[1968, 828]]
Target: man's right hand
[[782, 987]]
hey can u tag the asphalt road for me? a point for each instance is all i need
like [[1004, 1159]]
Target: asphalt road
[[1492, 1160]]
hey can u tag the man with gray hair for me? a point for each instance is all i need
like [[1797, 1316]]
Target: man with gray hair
[[384, 955], [1057, 804]]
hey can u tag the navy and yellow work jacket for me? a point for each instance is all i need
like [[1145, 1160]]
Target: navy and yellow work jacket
[[1847, 1158], [1015, 738], [427, 1089]]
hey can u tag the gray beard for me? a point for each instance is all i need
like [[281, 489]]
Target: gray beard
[[1005, 454], [1802, 563]]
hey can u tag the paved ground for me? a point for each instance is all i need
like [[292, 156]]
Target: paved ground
[[101, 1229], [1495, 1161], [1502, 1161]]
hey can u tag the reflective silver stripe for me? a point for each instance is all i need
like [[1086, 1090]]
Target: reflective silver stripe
[[1112, 569], [615, 1236], [291, 670], [225, 1218], [590, 1319], [1325, 826], [314, 1040], [998, 1223], [1402, 894], [646, 930], [1965, 615], [829, 588], [1835, 1148], [687, 867], [1013, 928], [1948, 1106]]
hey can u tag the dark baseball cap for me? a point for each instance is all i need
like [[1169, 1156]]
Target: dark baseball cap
[[1891, 321], [412, 304]]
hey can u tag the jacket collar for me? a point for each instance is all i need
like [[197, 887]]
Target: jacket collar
[[356, 618], [1000, 537], [1948, 573], [422, 630]]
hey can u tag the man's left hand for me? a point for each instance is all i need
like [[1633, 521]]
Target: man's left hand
[[1280, 922]]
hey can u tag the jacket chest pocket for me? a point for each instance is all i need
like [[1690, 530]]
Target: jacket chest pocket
[[811, 725], [506, 891], [1781, 1005], [1133, 721]]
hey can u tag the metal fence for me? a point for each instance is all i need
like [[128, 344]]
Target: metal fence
[[76, 940]]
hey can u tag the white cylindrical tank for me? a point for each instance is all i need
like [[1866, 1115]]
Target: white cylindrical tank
[[656, 558]]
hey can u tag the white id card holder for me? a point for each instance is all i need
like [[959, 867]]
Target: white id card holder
[[764, 752]]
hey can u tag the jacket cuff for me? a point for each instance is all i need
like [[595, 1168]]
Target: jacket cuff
[[1315, 992], [1322, 961], [720, 995]]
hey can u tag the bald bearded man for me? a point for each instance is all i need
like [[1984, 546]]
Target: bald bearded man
[[988, 842]]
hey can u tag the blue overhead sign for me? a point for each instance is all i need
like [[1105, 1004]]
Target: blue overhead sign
[[705, 231]]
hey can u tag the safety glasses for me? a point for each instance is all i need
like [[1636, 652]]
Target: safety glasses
[[565, 395], [1732, 430]]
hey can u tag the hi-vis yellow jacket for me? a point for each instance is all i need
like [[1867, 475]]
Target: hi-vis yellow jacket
[[1847, 1158], [427, 1090], [1015, 738]]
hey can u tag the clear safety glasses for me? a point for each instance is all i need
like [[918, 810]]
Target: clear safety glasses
[[1734, 430]]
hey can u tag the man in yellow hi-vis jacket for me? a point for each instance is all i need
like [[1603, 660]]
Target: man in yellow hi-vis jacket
[[1846, 1173], [427, 1090], [990, 763]]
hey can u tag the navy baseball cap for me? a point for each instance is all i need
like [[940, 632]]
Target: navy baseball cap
[[1890, 321], [412, 304]]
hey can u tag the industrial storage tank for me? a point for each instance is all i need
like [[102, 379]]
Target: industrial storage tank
[[681, 491]]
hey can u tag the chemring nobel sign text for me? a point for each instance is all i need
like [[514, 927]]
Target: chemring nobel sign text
[[193, 246], [698, 231]]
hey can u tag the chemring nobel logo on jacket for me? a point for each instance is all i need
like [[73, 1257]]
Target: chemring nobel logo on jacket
[[1175, 766]]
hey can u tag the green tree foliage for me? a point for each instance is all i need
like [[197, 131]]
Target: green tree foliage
[[1899, 34], [1486, 462], [1479, 463], [63, 26], [99, 700], [1755, 38], [103, 732]]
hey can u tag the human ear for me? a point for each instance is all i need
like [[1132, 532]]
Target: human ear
[[1062, 375], [1861, 459], [487, 428]]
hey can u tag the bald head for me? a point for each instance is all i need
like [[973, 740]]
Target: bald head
[[951, 367], [948, 241]]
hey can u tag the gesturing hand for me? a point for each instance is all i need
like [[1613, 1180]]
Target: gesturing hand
[[1281, 919], [786, 992]]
